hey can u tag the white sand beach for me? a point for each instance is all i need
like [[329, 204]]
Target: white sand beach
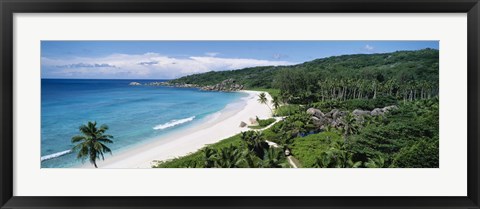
[[222, 125]]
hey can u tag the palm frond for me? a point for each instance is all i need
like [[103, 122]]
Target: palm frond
[[105, 140], [106, 149], [103, 127], [78, 138]]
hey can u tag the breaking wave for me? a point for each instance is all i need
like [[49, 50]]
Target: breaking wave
[[173, 123], [55, 155]]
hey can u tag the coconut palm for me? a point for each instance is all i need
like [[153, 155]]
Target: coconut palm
[[329, 159], [350, 125], [274, 158], [275, 102], [229, 157], [209, 157], [262, 98], [91, 144], [336, 157], [377, 162], [251, 160], [254, 142]]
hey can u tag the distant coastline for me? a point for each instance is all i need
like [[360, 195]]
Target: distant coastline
[[227, 85]]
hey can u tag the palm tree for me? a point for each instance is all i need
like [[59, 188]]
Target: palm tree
[[262, 98], [378, 162], [275, 102], [328, 159], [350, 125], [91, 144], [251, 160], [336, 157], [274, 158], [229, 157], [255, 142], [209, 157], [374, 88]]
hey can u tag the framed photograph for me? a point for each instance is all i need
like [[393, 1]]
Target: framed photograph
[[239, 104]]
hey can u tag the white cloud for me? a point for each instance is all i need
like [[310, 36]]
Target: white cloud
[[212, 54], [369, 48], [149, 65], [279, 56]]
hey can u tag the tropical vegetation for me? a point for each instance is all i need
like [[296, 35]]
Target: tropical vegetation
[[245, 150], [405, 136]]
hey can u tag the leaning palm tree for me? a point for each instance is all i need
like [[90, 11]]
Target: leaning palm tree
[[91, 144], [262, 98], [275, 102]]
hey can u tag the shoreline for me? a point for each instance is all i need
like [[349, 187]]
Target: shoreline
[[221, 125]]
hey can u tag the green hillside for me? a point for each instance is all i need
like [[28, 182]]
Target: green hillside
[[402, 65], [403, 74]]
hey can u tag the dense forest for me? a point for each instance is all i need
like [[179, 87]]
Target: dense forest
[[332, 114], [406, 74]]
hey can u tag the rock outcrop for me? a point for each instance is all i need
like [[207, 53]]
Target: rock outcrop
[[335, 117], [388, 108], [382, 111], [315, 112], [177, 85], [331, 113], [243, 124], [226, 85], [358, 112], [319, 122], [376, 111], [338, 114], [135, 84]]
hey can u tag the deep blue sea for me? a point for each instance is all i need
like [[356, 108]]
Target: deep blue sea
[[134, 114]]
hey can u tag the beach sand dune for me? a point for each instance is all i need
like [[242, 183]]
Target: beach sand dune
[[223, 125]]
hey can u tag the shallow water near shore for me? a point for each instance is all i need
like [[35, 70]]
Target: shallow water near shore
[[135, 114]]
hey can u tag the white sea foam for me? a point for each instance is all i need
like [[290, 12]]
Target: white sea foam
[[173, 123], [54, 155]]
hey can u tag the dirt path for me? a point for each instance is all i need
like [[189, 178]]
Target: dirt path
[[291, 160]]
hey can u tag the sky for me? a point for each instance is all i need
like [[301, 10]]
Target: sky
[[173, 59]]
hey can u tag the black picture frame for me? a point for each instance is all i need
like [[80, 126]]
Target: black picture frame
[[9, 7]]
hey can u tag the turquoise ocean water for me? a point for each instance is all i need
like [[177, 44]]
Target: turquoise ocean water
[[134, 114]]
